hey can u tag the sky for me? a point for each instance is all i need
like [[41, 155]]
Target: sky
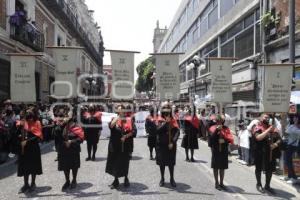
[[130, 24]]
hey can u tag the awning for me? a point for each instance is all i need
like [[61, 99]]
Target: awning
[[243, 87]]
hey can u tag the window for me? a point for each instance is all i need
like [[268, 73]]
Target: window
[[257, 14], [59, 41], [236, 29], [195, 4], [257, 38], [225, 6], [244, 44], [183, 45], [82, 63], [183, 19], [195, 32], [190, 9], [190, 74], [249, 21], [227, 50], [213, 17], [189, 38], [183, 75], [203, 26]]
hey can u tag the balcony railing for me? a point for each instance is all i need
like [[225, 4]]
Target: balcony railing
[[63, 11], [28, 35]]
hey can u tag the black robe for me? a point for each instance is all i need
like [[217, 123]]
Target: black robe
[[219, 159], [30, 161], [68, 158], [118, 157], [190, 138], [165, 156], [92, 134], [150, 127], [262, 154]]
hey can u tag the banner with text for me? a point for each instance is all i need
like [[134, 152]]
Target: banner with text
[[276, 92], [221, 72], [122, 74], [167, 76], [67, 62], [22, 79], [140, 119]]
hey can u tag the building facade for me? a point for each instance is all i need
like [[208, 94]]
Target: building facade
[[229, 28], [47, 23]]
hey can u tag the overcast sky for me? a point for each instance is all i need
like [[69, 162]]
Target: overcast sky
[[129, 24]]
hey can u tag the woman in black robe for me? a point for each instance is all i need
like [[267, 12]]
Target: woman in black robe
[[167, 136], [69, 140], [190, 138], [119, 148], [29, 133], [220, 137], [150, 126], [92, 119]]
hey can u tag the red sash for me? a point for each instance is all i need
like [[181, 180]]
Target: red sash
[[97, 115], [78, 131], [34, 127], [193, 120], [173, 122], [127, 126], [225, 132], [262, 128]]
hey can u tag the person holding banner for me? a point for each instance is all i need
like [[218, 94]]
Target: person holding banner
[[119, 147], [167, 136], [267, 151], [150, 125], [92, 134], [29, 133], [69, 151], [220, 137], [190, 138]]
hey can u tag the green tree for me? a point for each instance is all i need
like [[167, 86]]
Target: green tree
[[145, 72]]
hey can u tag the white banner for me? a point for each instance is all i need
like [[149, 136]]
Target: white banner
[[67, 62], [140, 118], [22, 79], [276, 91], [122, 74], [167, 76], [221, 72], [106, 119]]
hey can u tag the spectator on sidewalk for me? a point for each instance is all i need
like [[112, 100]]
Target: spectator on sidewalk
[[293, 131], [244, 143]]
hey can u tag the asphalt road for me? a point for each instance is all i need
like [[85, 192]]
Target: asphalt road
[[194, 180]]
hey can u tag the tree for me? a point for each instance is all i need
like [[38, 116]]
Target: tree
[[145, 72]]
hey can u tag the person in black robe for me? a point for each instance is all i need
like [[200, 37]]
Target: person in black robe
[[266, 151], [69, 139], [166, 139], [190, 138], [220, 137], [130, 140], [92, 119], [29, 133], [150, 126], [119, 148]]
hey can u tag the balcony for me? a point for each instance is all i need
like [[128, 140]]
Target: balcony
[[62, 11], [28, 35]]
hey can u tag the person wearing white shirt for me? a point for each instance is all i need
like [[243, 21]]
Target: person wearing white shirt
[[244, 143], [293, 131]]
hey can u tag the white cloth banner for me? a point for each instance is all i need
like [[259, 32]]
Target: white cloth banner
[[167, 76], [67, 62], [221, 72], [106, 119], [140, 118], [276, 92], [122, 74], [22, 79]]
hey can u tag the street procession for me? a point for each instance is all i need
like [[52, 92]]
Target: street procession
[[98, 101]]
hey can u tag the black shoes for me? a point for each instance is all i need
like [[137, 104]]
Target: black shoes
[[32, 187], [24, 189], [66, 185], [73, 184], [223, 187], [192, 160], [260, 188], [115, 184], [187, 160], [269, 189], [126, 182], [217, 186], [93, 158], [88, 158], [173, 183], [162, 182]]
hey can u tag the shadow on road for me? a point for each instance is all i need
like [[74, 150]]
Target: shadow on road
[[278, 193], [134, 158], [184, 188], [138, 189]]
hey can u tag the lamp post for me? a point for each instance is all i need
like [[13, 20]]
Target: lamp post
[[194, 64]]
